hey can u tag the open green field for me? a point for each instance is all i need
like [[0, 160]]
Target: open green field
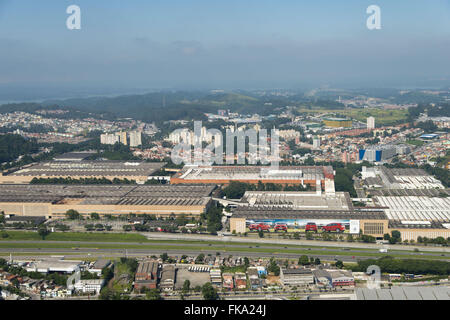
[[417, 143], [382, 116]]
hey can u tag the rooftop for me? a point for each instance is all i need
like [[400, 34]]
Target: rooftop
[[271, 212], [254, 173], [90, 168], [411, 208], [404, 293], [299, 200], [108, 194]]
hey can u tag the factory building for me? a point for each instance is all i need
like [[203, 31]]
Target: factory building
[[147, 275], [53, 201], [417, 216], [296, 277], [254, 174], [378, 153], [408, 178], [371, 221], [131, 170], [306, 211]]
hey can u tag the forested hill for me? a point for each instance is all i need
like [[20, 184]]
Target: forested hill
[[12, 146], [163, 106]]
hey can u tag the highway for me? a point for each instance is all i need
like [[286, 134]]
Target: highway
[[309, 243], [112, 249]]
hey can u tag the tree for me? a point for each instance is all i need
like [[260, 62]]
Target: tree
[[95, 216], [317, 261], [72, 214], [209, 292], [186, 286], [43, 232], [339, 264], [303, 260], [246, 262], [261, 234], [164, 256], [395, 237], [153, 294], [273, 267], [200, 258], [2, 217]]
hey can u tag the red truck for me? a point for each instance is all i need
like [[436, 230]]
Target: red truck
[[336, 227], [281, 227], [311, 226], [259, 227]]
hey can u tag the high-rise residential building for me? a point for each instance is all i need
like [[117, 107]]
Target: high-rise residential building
[[135, 138], [122, 137], [370, 123], [316, 143], [109, 138]]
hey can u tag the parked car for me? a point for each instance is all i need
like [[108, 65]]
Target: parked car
[[333, 227], [281, 227], [311, 226], [259, 227]]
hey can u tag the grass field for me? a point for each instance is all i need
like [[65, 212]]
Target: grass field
[[76, 236], [382, 116], [417, 143]]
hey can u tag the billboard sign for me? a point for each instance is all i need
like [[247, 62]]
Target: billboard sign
[[303, 225]]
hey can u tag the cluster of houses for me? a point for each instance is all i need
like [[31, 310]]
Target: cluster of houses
[[154, 273], [47, 288]]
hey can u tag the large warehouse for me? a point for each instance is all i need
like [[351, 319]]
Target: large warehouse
[[296, 210], [53, 201], [405, 179], [416, 216], [254, 174], [131, 170]]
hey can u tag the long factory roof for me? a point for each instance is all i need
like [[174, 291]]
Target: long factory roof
[[89, 168], [271, 212], [108, 194], [254, 173]]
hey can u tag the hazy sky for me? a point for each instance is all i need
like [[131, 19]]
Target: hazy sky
[[229, 43]]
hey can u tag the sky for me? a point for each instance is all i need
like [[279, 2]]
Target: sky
[[232, 44]]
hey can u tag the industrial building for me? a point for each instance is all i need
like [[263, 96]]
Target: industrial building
[[370, 221], [404, 293], [131, 170], [377, 153], [407, 178], [53, 265], [75, 156], [296, 210], [298, 200], [53, 201], [147, 275], [417, 216], [296, 277], [89, 286], [168, 277], [333, 278], [254, 174]]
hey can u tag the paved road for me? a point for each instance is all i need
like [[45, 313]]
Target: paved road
[[171, 245]]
